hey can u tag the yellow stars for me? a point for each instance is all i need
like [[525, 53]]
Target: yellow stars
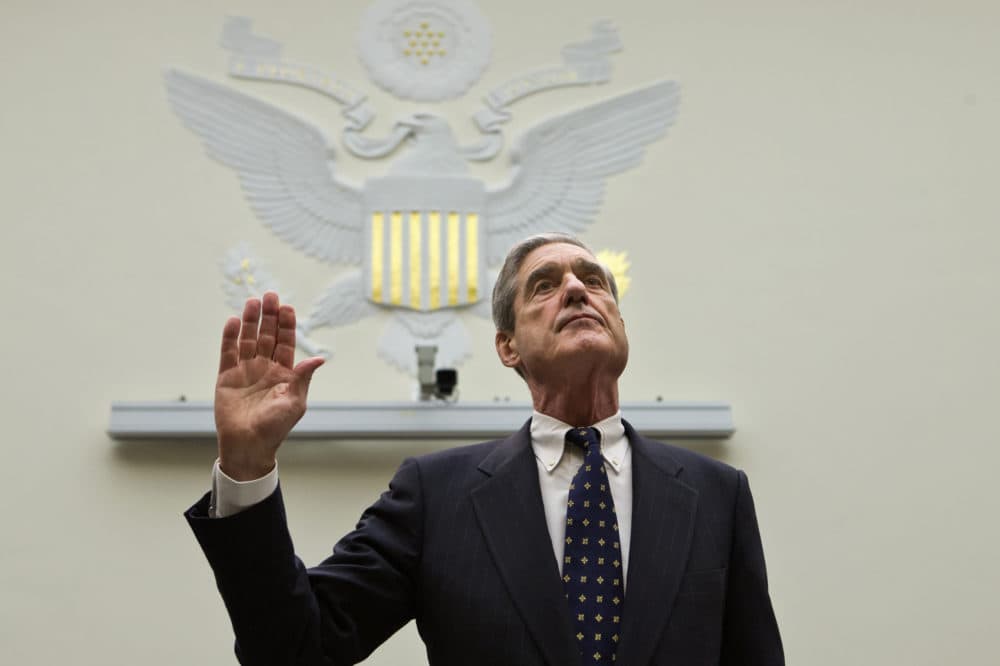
[[616, 564], [586, 541], [601, 541], [582, 598], [616, 601], [579, 636], [598, 618], [587, 485], [569, 521], [572, 486], [586, 522], [600, 598], [597, 637], [579, 617], [586, 504], [597, 656], [569, 540], [568, 559], [583, 579], [615, 545], [423, 43], [604, 488], [566, 578], [603, 505], [617, 619], [570, 503], [614, 637], [584, 560], [600, 560], [600, 580], [616, 582], [615, 527], [587, 468], [601, 523]]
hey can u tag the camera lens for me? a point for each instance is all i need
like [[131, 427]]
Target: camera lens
[[446, 378]]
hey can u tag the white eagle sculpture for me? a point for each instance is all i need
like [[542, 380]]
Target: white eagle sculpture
[[424, 235]]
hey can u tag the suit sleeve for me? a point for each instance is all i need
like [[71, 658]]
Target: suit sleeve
[[336, 613], [750, 631]]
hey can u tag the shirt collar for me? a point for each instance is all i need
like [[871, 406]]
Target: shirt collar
[[548, 439]]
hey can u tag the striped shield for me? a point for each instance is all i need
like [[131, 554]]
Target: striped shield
[[424, 239]]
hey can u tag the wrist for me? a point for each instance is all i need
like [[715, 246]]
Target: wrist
[[245, 472], [243, 467]]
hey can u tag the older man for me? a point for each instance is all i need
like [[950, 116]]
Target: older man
[[573, 541]]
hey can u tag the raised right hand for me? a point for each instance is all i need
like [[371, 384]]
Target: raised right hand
[[259, 395]]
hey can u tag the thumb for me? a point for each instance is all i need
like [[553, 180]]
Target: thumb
[[304, 372]]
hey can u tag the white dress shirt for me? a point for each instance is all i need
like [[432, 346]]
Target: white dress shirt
[[557, 465]]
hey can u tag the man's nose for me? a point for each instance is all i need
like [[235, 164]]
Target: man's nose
[[573, 289]]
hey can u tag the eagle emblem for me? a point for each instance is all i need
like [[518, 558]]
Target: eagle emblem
[[420, 240]]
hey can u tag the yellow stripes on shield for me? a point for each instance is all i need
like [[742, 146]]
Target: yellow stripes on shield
[[472, 255], [425, 260], [415, 260], [434, 257], [378, 259], [453, 250], [396, 258]]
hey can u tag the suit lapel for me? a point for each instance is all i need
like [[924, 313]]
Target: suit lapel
[[509, 509], [663, 515]]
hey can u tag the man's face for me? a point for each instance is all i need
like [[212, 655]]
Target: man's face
[[564, 314]]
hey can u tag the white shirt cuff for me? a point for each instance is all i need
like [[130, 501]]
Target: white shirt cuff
[[230, 496]]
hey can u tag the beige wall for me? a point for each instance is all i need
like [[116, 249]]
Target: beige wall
[[815, 242]]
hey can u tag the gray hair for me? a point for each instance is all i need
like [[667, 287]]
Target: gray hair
[[505, 288]]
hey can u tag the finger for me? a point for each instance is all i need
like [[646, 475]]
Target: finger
[[248, 333], [284, 350], [303, 374], [230, 356], [268, 325]]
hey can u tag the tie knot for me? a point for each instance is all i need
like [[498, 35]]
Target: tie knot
[[588, 439]]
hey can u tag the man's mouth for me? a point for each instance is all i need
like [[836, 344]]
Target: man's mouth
[[578, 317]]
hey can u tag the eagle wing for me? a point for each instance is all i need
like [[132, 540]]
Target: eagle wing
[[561, 165], [285, 165], [343, 303]]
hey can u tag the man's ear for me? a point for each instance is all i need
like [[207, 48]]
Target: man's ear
[[507, 349]]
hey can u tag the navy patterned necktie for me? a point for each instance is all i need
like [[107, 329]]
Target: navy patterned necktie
[[592, 561]]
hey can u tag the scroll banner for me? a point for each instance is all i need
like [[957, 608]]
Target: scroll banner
[[259, 58], [584, 64]]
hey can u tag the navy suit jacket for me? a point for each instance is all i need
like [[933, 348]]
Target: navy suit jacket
[[459, 543]]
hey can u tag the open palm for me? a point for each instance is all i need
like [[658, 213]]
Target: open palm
[[259, 395]]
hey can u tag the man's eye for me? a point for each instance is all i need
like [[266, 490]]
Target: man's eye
[[543, 285], [595, 281]]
